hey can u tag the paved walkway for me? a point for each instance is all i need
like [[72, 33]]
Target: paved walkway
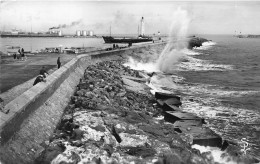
[[22, 73]]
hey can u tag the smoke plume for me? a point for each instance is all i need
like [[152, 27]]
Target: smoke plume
[[67, 25]]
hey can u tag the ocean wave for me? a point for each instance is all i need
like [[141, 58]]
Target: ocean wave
[[137, 65], [211, 108], [190, 52], [221, 157], [215, 91], [206, 45], [201, 65]]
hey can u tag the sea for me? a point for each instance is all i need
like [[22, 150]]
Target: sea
[[37, 44], [219, 81]]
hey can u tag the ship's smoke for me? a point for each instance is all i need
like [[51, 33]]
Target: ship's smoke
[[67, 25], [173, 51]]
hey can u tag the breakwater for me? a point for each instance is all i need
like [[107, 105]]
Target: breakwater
[[32, 116], [113, 118], [110, 119]]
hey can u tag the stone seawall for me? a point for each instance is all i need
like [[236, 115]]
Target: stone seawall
[[33, 116]]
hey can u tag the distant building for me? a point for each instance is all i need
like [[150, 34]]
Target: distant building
[[60, 33], [142, 26], [78, 33], [91, 33], [84, 33], [55, 32], [14, 32]]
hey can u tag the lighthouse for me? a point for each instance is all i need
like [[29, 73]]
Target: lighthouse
[[142, 26]]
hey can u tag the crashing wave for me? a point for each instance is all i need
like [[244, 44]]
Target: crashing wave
[[206, 45]]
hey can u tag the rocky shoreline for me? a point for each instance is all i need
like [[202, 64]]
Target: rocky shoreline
[[113, 118], [116, 124]]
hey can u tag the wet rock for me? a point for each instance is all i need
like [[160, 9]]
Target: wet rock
[[161, 95], [173, 116], [196, 42]]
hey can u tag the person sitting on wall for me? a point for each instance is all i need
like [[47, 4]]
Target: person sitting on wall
[[38, 79], [43, 72]]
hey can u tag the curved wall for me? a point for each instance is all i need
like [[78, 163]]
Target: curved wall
[[34, 115]]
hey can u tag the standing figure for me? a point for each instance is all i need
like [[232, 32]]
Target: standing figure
[[22, 53], [19, 55], [58, 62], [14, 55]]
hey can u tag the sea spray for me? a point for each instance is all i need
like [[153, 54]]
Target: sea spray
[[206, 45], [173, 51], [140, 65]]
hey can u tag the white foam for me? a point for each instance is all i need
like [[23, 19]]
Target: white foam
[[201, 65], [190, 52], [136, 65], [206, 45], [216, 154]]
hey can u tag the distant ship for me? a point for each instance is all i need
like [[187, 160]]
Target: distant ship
[[16, 33], [130, 41], [28, 35], [110, 39]]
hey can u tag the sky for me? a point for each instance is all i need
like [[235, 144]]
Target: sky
[[205, 17]]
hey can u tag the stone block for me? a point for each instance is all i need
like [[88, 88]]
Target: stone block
[[188, 123], [161, 95], [173, 116]]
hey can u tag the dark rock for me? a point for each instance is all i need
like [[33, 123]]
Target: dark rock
[[196, 42], [141, 151], [109, 149], [161, 95], [77, 134], [155, 130], [50, 153], [134, 118], [173, 101], [115, 134], [172, 116], [96, 161], [169, 159], [99, 128]]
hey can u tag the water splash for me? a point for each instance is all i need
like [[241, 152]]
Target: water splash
[[139, 65], [206, 45], [172, 53]]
